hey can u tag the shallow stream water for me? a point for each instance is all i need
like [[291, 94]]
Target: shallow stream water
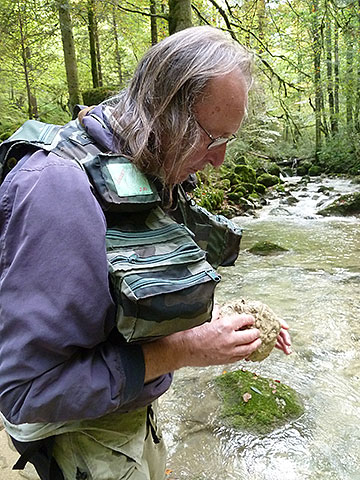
[[315, 287]]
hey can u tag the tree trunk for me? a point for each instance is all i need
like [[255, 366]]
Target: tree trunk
[[179, 15], [329, 71], [357, 102], [25, 54], [336, 77], [69, 53], [117, 51], [349, 78], [153, 23], [92, 41], [317, 75], [97, 45], [261, 15]]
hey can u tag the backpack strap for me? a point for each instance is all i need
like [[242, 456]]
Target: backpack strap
[[118, 185]]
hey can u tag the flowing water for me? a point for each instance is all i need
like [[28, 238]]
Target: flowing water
[[315, 287]]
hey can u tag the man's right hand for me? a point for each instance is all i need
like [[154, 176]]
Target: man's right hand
[[221, 341]]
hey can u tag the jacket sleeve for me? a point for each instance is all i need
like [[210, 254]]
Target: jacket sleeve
[[58, 360]]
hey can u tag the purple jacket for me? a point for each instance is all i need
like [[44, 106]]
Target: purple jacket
[[61, 357]]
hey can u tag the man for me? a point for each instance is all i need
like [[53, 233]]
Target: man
[[76, 398]]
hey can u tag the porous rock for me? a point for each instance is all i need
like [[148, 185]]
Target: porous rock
[[266, 321]]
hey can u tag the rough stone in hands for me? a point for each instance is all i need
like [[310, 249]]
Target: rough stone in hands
[[265, 320]]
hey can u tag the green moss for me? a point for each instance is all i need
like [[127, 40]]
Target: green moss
[[266, 248], [271, 403], [314, 171], [301, 170], [247, 174], [273, 169], [211, 199], [268, 180], [260, 188], [235, 197], [248, 187], [94, 96]]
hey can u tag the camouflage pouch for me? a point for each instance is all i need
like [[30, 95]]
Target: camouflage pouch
[[161, 280], [218, 236], [118, 185]]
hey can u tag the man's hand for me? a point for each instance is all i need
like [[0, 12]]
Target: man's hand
[[218, 342]]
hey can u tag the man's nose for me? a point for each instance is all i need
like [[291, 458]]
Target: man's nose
[[216, 156]]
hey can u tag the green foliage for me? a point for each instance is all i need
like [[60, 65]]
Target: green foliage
[[256, 404], [341, 154], [210, 194], [281, 112]]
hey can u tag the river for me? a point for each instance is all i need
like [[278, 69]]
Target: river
[[315, 287]]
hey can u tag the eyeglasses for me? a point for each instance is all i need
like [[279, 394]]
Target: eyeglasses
[[217, 141]]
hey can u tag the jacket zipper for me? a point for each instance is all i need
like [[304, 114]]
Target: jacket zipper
[[183, 249], [137, 285]]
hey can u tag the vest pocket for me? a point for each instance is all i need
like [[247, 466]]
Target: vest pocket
[[161, 282]]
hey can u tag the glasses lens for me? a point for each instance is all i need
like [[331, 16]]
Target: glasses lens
[[217, 142]]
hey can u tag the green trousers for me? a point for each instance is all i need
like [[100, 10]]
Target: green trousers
[[126, 446]]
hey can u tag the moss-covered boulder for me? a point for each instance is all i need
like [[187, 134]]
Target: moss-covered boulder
[[314, 171], [266, 248], [288, 171], [248, 187], [256, 404], [94, 96], [235, 180], [260, 188], [235, 196], [246, 173], [274, 169], [290, 200], [303, 168], [268, 180], [345, 205], [325, 189]]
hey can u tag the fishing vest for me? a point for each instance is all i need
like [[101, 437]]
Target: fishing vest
[[162, 267]]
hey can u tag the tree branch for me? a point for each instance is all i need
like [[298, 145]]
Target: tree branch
[[198, 13], [225, 18], [140, 12]]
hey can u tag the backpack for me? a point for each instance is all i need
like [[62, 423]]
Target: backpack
[[161, 267]]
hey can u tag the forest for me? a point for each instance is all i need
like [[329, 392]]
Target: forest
[[304, 104]]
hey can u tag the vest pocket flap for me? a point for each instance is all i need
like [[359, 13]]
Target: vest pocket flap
[[162, 282], [120, 186], [146, 257], [116, 238], [159, 303]]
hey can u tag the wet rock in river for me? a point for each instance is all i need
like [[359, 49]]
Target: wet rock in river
[[265, 320], [256, 404], [267, 248], [348, 204]]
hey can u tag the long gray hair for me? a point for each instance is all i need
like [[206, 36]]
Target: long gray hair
[[153, 116]]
